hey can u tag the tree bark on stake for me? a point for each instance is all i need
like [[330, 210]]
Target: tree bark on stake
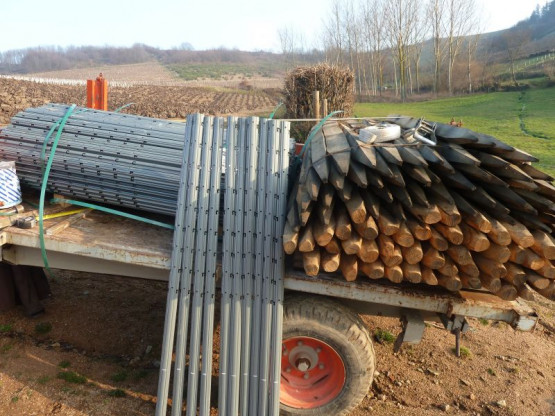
[[343, 226], [526, 257], [429, 277], [290, 239], [349, 267], [413, 254], [411, 272], [330, 262], [311, 262], [544, 245], [334, 246], [374, 270], [515, 274], [460, 255], [369, 251], [394, 274], [433, 258], [307, 243]]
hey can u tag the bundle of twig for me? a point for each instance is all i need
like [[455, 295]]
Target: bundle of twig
[[463, 210], [335, 84]]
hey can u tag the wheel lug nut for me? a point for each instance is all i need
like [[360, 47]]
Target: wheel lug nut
[[321, 366], [299, 343], [306, 376], [288, 369], [318, 350]]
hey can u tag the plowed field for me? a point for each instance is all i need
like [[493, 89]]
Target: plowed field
[[149, 100]]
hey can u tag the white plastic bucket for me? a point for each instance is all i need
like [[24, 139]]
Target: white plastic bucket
[[10, 190]]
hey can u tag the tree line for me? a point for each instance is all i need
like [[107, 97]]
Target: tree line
[[421, 46]]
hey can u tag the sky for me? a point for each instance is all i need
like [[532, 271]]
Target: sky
[[242, 24]]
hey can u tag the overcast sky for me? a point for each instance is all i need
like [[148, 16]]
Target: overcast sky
[[242, 24]]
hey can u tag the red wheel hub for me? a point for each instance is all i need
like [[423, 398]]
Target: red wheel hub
[[312, 373]]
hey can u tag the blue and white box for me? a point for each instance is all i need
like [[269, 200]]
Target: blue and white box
[[10, 190]]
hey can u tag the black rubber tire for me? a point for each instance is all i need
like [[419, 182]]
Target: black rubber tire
[[335, 324]]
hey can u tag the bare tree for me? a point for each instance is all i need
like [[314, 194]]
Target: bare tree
[[461, 19], [436, 18], [514, 43], [471, 46], [333, 36], [401, 22], [373, 24]]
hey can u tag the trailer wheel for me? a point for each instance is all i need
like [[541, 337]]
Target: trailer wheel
[[327, 362]]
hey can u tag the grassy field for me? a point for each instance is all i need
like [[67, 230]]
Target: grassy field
[[190, 72], [497, 114]]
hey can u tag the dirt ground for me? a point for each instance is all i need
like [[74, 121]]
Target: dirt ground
[[104, 334]]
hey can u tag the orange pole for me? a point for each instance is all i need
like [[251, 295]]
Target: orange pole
[[97, 93], [91, 86]]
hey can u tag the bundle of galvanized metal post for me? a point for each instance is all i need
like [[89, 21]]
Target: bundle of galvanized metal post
[[252, 268], [107, 157], [424, 202]]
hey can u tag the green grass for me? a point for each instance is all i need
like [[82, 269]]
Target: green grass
[[64, 364], [496, 114], [43, 328], [117, 393], [119, 376], [5, 328], [465, 352], [384, 337], [483, 321], [43, 379], [72, 377], [491, 372], [5, 348]]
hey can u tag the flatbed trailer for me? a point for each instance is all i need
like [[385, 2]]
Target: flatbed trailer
[[97, 242]]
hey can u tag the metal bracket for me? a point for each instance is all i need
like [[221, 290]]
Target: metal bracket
[[457, 324], [413, 329]]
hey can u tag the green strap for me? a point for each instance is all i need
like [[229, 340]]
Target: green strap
[[122, 107], [112, 211], [62, 123], [315, 130], [47, 140], [274, 112]]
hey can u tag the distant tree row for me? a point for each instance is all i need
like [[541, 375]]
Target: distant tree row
[[43, 59], [416, 46]]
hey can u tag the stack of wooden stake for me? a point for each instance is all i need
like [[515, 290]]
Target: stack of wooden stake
[[467, 212]]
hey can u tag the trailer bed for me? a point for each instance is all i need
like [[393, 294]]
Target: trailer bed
[[102, 243]]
